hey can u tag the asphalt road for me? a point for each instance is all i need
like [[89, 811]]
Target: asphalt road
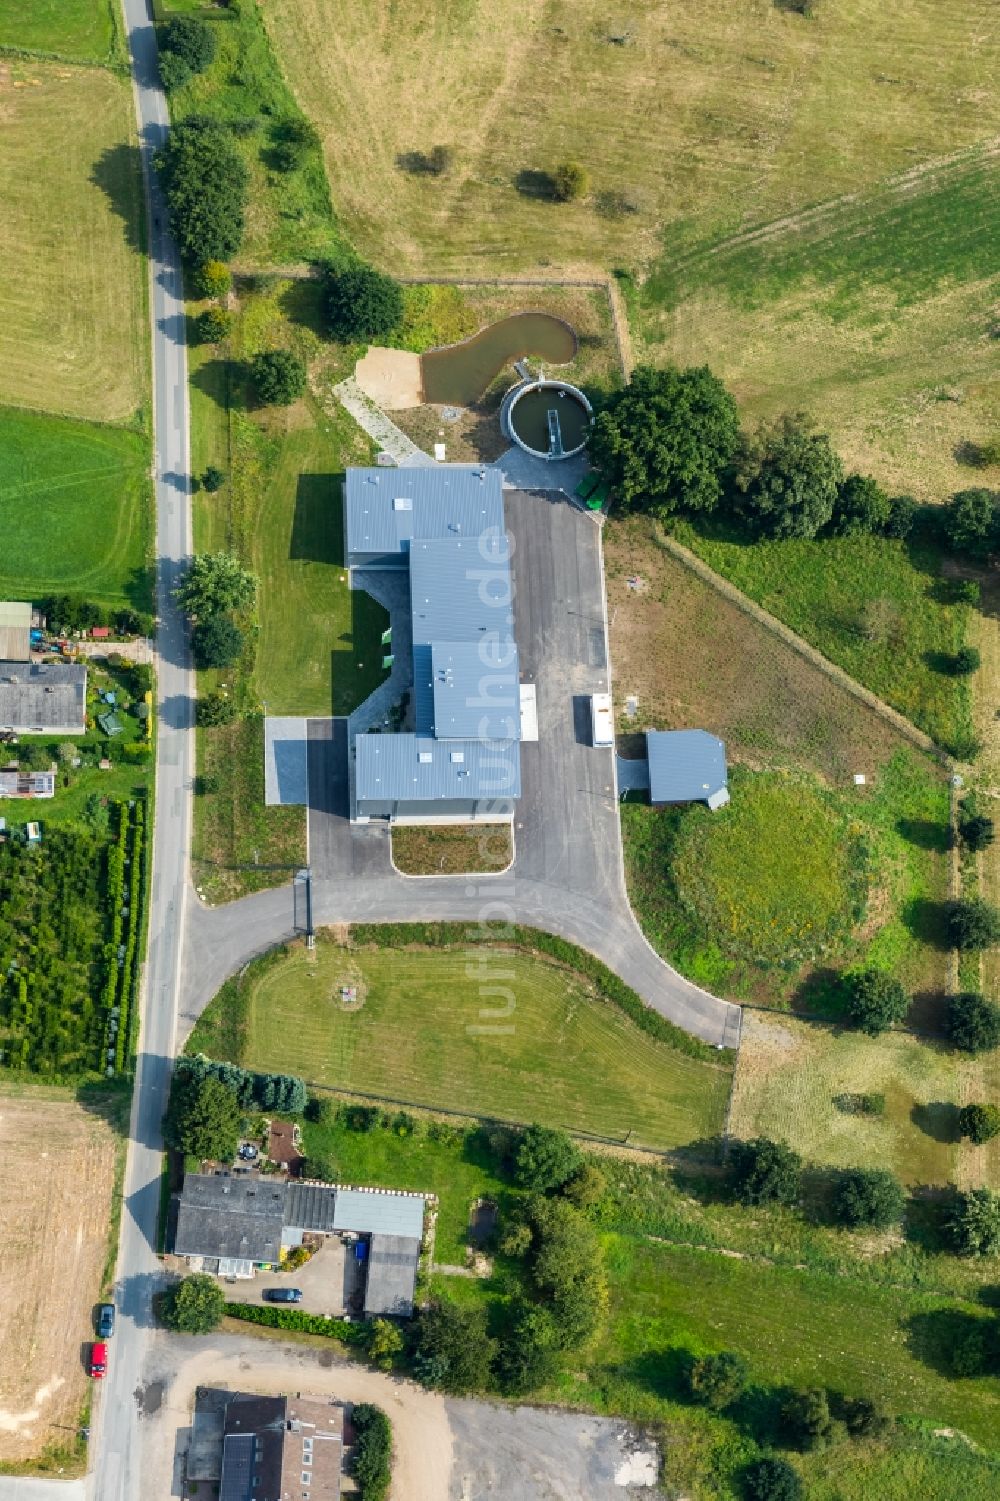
[[567, 876], [115, 1454]]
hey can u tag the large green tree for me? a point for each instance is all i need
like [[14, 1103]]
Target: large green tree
[[216, 642], [980, 1123], [546, 1159], [215, 582], [861, 506], [205, 184], [974, 923], [765, 1172], [875, 1000], [203, 1118], [279, 376], [789, 478], [189, 38], [971, 522], [975, 1223], [453, 1353], [868, 1196], [362, 304], [772, 1479], [666, 440], [973, 1022], [194, 1306], [718, 1380]]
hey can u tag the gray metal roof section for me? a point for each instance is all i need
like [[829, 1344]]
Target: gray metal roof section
[[445, 501], [418, 769], [286, 760], [685, 766], [223, 1216], [392, 1275], [15, 630], [476, 693], [460, 589], [38, 696], [377, 1213], [310, 1206]]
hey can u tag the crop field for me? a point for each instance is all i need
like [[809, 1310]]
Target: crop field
[[706, 118], [75, 499], [794, 1079], [72, 300], [524, 1039], [55, 1242], [85, 29]]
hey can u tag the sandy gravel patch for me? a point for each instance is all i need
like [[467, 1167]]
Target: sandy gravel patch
[[391, 377]]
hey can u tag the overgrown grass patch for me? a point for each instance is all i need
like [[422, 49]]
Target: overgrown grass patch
[[451, 850], [878, 608], [87, 30]]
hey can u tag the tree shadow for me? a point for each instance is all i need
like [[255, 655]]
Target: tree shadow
[[822, 994], [531, 183], [220, 381], [943, 1337], [925, 833], [302, 303], [942, 662], [118, 174], [318, 520], [663, 1373], [108, 1099], [927, 1217], [970, 455], [928, 921], [937, 1119], [927, 1016], [818, 1187]]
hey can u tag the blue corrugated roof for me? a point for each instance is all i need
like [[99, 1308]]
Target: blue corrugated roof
[[445, 501], [370, 1213], [416, 768], [685, 766], [476, 695], [460, 589]]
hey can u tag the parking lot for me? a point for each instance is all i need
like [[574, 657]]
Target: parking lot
[[331, 1282]]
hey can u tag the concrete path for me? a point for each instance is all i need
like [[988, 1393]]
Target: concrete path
[[381, 429]]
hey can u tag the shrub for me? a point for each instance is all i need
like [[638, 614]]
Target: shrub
[[295, 139], [969, 1356], [529, 1353], [454, 1352], [570, 181], [665, 440], [279, 377], [194, 1306], [386, 1343], [362, 304], [862, 506], [865, 1418], [980, 1123], [970, 522], [271, 1317], [546, 1159], [875, 1001], [974, 1224], [806, 1420], [213, 325], [973, 924], [175, 71], [191, 39], [372, 1451], [975, 829], [902, 517], [212, 479], [973, 1022], [215, 709], [440, 160], [965, 662], [586, 1188], [765, 1172], [212, 279], [216, 642], [567, 1269], [515, 1239], [789, 478], [868, 1197], [321, 1110], [718, 1380], [205, 185], [360, 1117], [772, 1479], [320, 1166]]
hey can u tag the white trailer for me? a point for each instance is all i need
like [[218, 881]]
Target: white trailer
[[602, 720]]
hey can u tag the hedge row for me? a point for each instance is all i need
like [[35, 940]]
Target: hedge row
[[113, 961], [272, 1317], [531, 940], [130, 969]]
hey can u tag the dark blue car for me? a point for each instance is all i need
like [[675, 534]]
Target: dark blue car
[[282, 1295], [105, 1320]]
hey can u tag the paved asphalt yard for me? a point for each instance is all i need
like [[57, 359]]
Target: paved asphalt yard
[[567, 877]]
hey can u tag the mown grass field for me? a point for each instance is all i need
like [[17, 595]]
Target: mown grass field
[[880, 609], [87, 29], [708, 117], [73, 330], [519, 1038], [451, 850], [75, 501], [875, 312]]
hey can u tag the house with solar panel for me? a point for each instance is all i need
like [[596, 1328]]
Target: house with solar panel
[[233, 1225], [443, 530]]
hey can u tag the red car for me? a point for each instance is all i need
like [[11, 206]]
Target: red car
[[98, 1361]]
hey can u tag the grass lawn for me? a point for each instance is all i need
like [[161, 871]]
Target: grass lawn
[[451, 851], [75, 499], [791, 1074], [73, 326], [72, 28], [879, 609], [900, 818], [518, 1037], [703, 117]]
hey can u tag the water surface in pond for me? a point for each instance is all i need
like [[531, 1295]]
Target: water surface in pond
[[460, 373]]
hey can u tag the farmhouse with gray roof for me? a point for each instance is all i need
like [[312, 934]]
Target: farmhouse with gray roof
[[43, 698], [444, 527]]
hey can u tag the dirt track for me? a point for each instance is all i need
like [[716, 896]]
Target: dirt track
[[56, 1172]]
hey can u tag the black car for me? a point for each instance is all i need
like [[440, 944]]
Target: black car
[[282, 1295], [105, 1320]]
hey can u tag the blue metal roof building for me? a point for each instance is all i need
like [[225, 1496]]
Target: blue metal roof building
[[686, 766], [463, 761]]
